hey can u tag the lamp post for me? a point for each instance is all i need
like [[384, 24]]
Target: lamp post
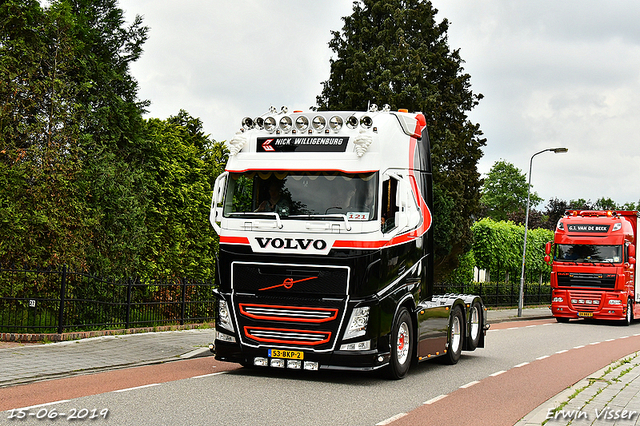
[[526, 224]]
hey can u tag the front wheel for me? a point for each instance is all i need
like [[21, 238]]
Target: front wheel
[[628, 319], [401, 345]]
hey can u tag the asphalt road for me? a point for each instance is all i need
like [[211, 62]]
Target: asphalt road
[[517, 358]]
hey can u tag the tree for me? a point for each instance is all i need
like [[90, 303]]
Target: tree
[[394, 52], [180, 170], [70, 134], [504, 191]]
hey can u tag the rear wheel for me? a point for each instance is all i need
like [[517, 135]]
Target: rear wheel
[[456, 336], [401, 345], [475, 325]]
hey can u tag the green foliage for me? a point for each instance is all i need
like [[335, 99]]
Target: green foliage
[[505, 191], [394, 52], [498, 248], [180, 170], [84, 180]]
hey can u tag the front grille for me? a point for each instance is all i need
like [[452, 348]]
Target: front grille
[[571, 279], [287, 337], [579, 300], [286, 305], [290, 279], [288, 313]]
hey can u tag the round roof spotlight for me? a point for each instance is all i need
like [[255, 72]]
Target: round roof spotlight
[[259, 122], [319, 123], [270, 124], [302, 123], [352, 122], [247, 123], [335, 123], [366, 122], [286, 123]]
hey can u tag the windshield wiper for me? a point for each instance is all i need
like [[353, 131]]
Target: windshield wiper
[[324, 216], [277, 216]]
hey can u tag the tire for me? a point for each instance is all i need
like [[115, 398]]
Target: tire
[[629, 317], [475, 326], [456, 337], [562, 319], [401, 345]]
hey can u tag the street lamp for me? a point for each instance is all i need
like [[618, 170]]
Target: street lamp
[[526, 224]]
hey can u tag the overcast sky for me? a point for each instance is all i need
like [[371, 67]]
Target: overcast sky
[[553, 74]]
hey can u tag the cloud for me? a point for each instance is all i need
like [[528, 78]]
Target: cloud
[[553, 73]]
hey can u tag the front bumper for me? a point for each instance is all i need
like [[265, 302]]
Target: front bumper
[[336, 360]]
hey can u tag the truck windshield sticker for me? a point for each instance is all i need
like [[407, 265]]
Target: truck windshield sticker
[[588, 228], [302, 144]]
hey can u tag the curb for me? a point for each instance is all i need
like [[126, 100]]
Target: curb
[[55, 337]]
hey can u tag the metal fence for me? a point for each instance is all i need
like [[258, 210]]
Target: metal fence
[[41, 300], [500, 294]]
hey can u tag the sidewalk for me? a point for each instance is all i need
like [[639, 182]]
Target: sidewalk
[[610, 396]]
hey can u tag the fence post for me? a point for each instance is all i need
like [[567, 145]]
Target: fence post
[[184, 300], [128, 314], [63, 290]]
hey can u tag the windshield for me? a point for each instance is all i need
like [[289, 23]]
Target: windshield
[[588, 253], [308, 194]]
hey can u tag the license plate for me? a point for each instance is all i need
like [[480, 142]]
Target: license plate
[[585, 314], [277, 353]]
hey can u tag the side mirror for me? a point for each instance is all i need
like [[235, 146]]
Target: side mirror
[[547, 258], [547, 248], [632, 252]]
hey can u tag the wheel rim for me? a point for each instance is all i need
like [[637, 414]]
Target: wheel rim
[[402, 345], [475, 323], [455, 334]]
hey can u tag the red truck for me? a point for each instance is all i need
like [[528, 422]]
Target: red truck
[[593, 270]]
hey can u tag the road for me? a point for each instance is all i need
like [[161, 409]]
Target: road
[[524, 364]]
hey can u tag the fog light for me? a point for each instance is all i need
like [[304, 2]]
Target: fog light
[[319, 123], [294, 364], [277, 363], [270, 124], [311, 365], [335, 123], [358, 346], [260, 362]]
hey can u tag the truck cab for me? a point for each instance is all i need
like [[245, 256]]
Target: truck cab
[[593, 270], [326, 246]]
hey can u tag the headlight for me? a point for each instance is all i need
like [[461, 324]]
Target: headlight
[[558, 299], [224, 317], [357, 323], [615, 302]]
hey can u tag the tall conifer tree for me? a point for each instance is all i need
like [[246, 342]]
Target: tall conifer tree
[[395, 52]]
